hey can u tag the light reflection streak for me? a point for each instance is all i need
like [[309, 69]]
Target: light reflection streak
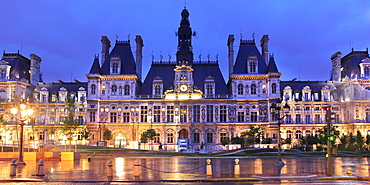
[[120, 167]]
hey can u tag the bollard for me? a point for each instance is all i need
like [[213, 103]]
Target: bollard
[[349, 172], [137, 169], [40, 168], [209, 167], [110, 169], [13, 169], [237, 168]]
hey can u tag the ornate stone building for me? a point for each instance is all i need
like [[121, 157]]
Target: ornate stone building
[[185, 98]]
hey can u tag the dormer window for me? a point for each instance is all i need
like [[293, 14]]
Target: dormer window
[[157, 90], [3, 74], [209, 89], [115, 68], [252, 67], [367, 71]]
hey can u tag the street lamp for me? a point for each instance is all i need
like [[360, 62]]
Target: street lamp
[[22, 114], [275, 109]]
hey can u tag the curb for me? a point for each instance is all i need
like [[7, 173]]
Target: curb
[[342, 178]]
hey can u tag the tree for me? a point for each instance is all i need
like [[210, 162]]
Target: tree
[[252, 136], [359, 141], [85, 134], [147, 136], [225, 141], [70, 123], [144, 138], [107, 135]]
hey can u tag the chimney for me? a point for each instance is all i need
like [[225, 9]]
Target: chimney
[[105, 49], [35, 75], [336, 67], [265, 50], [230, 46], [139, 55]]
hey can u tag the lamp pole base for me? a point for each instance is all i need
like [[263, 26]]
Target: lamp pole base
[[279, 162]]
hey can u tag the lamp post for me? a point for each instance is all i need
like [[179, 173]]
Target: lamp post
[[22, 114], [275, 109]]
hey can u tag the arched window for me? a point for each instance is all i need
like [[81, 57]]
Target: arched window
[[252, 67], [367, 72], [298, 134], [157, 90], [114, 89], [273, 88], [289, 134], [240, 89], [223, 135], [93, 89], [127, 90], [253, 89], [115, 68]]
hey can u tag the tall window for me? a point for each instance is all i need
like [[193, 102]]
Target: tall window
[[157, 90], [170, 114], [209, 113], [240, 89], [288, 118], [114, 89], [253, 89], [196, 137], [289, 133], [308, 118], [254, 117], [93, 89], [298, 134], [3, 74], [223, 113], [113, 117], [252, 67], [127, 90], [209, 137], [170, 137], [273, 88], [196, 113], [209, 89], [126, 117], [367, 72], [317, 118], [367, 115], [157, 138], [144, 114], [115, 68], [157, 114], [92, 116], [183, 114], [240, 116], [222, 136], [298, 118]]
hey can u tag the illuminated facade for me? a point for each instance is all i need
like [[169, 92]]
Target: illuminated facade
[[185, 98]]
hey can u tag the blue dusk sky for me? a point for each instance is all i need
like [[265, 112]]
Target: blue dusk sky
[[66, 33]]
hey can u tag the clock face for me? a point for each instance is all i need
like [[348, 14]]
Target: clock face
[[183, 88]]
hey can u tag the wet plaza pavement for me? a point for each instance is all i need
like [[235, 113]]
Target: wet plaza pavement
[[186, 169]]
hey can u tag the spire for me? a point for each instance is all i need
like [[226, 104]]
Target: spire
[[184, 34], [272, 68], [95, 68]]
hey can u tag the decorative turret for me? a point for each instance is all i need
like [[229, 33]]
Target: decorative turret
[[336, 67], [184, 34]]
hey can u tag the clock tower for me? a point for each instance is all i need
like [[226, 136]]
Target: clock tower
[[183, 81]]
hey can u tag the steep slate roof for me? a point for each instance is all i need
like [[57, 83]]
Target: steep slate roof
[[351, 61], [20, 66], [246, 48], [123, 50], [201, 71], [297, 86], [271, 67], [53, 88], [95, 68]]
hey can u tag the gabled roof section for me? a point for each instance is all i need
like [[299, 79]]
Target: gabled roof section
[[246, 49], [272, 68], [95, 68], [351, 63], [162, 70], [20, 66], [122, 49]]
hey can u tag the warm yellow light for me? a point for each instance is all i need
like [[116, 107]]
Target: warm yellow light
[[196, 96], [183, 96], [14, 110], [101, 109], [106, 109], [23, 106], [30, 112]]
